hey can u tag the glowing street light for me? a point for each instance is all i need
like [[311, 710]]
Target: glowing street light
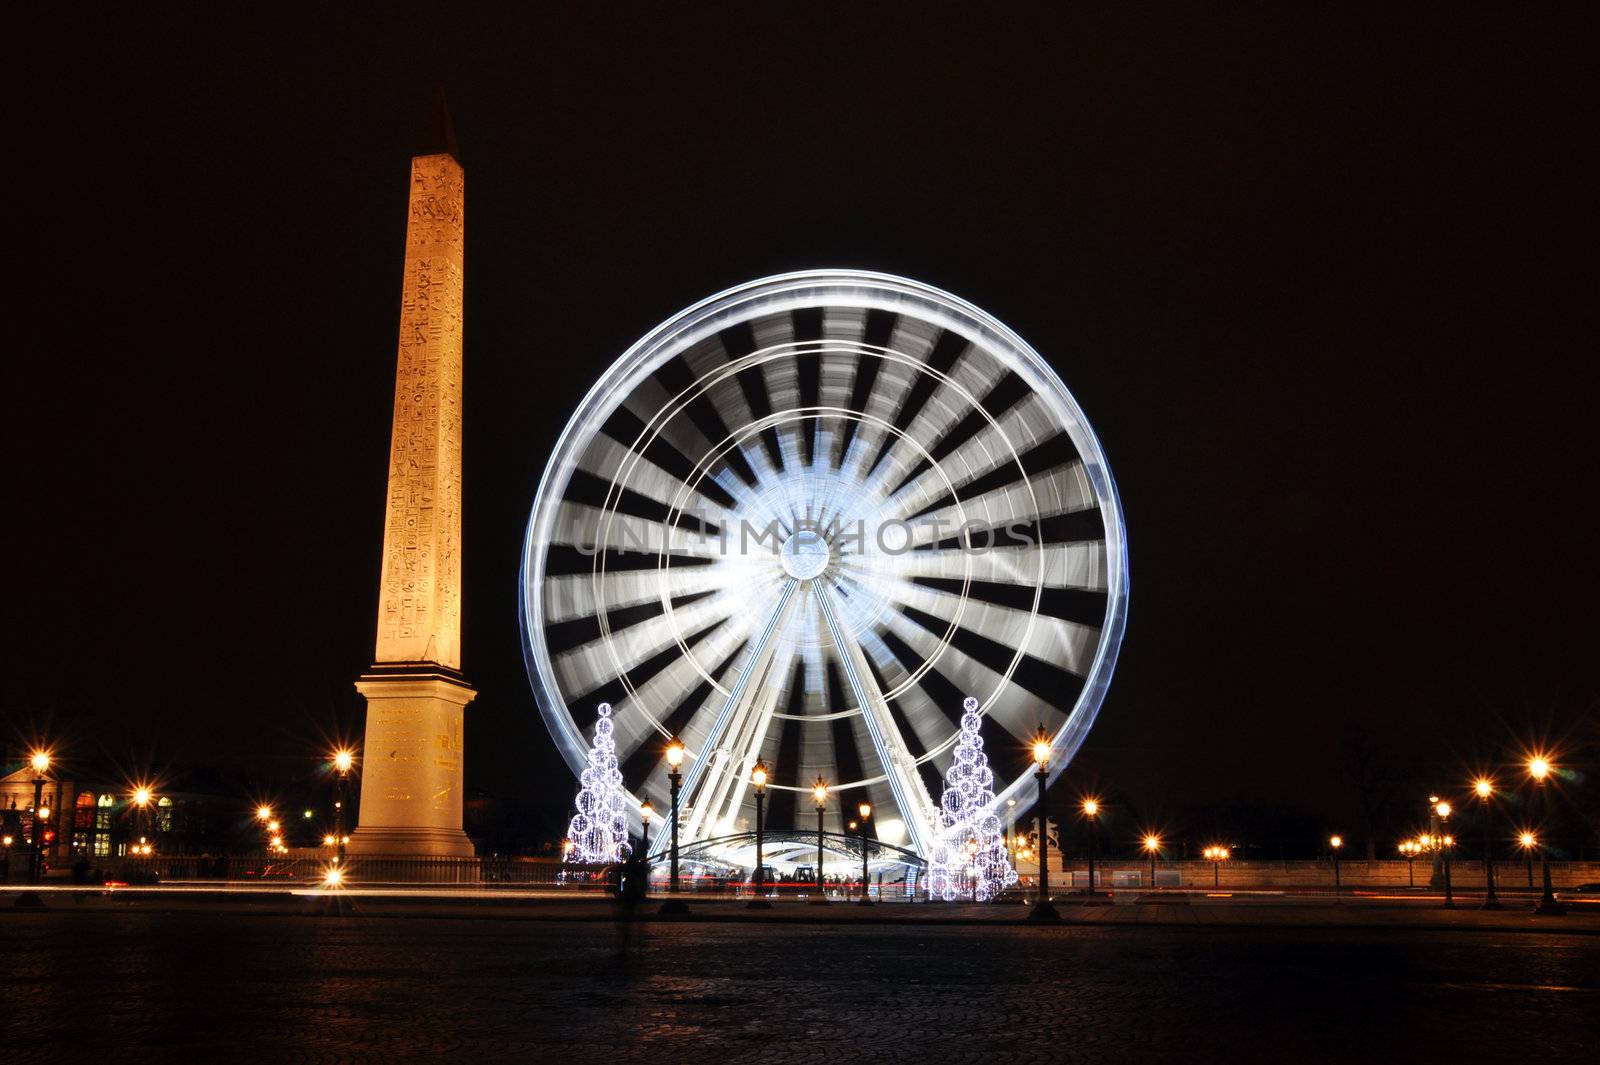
[[758, 780], [1044, 912], [1483, 788], [819, 795], [263, 813], [1216, 855], [1442, 844], [1152, 846], [1335, 843], [333, 877], [1539, 768], [1091, 810], [1410, 848], [1528, 841], [40, 761], [344, 760], [674, 755]]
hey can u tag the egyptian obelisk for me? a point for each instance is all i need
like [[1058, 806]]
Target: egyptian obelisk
[[412, 757]]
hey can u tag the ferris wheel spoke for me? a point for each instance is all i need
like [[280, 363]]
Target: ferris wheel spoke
[[738, 340], [1009, 626], [951, 400], [582, 595], [621, 469], [877, 329], [997, 449], [626, 430], [1073, 565], [1037, 461], [1010, 712], [947, 347], [1017, 507], [637, 650], [910, 797], [971, 430]]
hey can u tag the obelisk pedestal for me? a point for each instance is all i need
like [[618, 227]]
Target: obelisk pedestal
[[412, 761], [411, 767]]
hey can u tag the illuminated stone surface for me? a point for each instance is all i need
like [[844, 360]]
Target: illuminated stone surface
[[412, 756]]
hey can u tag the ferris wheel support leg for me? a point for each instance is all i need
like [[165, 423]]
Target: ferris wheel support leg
[[916, 806], [738, 695]]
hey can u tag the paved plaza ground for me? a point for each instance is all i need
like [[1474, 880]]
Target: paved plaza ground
[[164, 978]]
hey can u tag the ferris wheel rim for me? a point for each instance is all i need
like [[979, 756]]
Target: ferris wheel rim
[[771, 295]]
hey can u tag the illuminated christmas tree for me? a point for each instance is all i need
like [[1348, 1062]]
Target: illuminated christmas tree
[[599, 831], [969, 859]]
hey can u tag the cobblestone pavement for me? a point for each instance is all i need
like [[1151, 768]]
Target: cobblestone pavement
[[227, 986]]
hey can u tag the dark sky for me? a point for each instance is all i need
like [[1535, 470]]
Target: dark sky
[[1325, 287]]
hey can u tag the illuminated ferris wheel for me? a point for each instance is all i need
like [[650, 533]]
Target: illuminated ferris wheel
[[800, 521]]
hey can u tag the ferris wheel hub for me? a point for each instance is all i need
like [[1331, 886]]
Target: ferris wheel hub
[[805, 555]]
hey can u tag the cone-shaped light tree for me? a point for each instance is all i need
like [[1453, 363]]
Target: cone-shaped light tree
[[969, 859], [599, 830]]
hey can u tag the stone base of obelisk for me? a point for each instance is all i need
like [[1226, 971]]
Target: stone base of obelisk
[[411, 763]]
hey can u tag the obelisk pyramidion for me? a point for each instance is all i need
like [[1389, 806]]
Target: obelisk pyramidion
[[416, 696]]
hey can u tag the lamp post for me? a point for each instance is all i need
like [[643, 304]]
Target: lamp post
[[1527, 841], [675, 778], [758, 780], [1043, 912], [1334, 844], [1483, 788], [40, 761], [344, 760], [819, 795], [865, 810], [1152, 846], [1539, 770], [1216, 856], [142, 795], [1091, 810], [1408, 850], [1442, 809], [645, 811]]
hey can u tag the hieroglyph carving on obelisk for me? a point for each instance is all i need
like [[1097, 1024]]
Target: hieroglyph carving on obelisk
[[419, 605]]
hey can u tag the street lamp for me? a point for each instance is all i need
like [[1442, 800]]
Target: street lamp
[[1409, 848], [1539, 769], [1091, 810], [1152, 846], [675, 752], [1043, 911], [865, 810], [819, 795], [1527, 841], [40, 761], [1216, 855], [1334, 844], [758, 780], [344, 759], [1483, 788], [1442, 810], [645, 811]]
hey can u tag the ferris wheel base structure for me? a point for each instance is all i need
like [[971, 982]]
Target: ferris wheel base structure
[[799, 523]]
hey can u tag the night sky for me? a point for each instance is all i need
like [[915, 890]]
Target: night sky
[[1325, 289]]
